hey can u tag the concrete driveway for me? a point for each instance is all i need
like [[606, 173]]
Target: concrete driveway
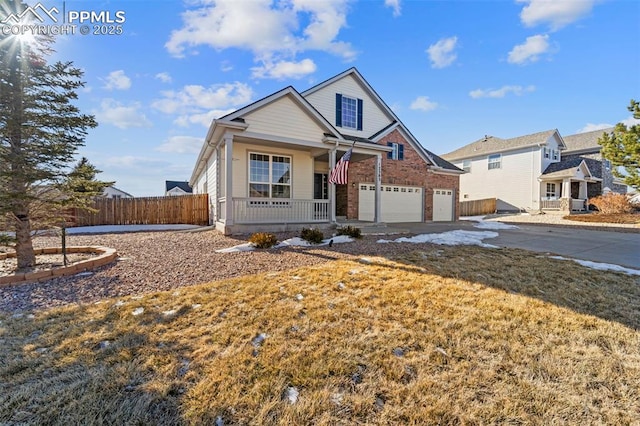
[[618, 248]]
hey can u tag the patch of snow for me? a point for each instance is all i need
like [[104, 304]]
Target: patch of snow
[[238, 248], [257, 341], [169, 313], [292, 394], [137, 311], [337, 398], [365, 260], [494, 225], [341, 286], [299, 242], [299, 297], [473, 218], [118, 303], [219, 421], [601, 266], [450, 238], [295, 277], [196, 306]]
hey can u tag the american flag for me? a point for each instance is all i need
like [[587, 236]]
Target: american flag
[[339, 173]]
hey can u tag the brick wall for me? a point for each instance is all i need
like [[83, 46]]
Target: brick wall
[[411, 171]]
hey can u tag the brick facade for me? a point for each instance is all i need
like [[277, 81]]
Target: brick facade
[[411, 171]]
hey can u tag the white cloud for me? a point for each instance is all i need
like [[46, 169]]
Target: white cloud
[[285, 69], [181, 145], [501, 92], [423, 103], [556, 13], [630, 121], [117, 80], [273, 31], [121, 116], [590, 127], [196, 104], [441, 53], [393, 4], [530, 50], [164, 77]]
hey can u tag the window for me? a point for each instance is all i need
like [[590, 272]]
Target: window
[[398, 151], [494, 161], [556, 154], [269, 176], [551, 190], [466, 166], [547, 152], [348, 112]]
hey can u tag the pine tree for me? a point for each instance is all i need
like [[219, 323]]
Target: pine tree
[[81, 186], [40, 130], [622, 148]]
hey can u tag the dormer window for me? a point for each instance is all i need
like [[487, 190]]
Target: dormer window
[[348, 112], [547, 153], [556, 154]]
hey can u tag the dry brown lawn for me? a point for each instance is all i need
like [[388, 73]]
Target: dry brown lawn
[[456, 335], [626, 218]]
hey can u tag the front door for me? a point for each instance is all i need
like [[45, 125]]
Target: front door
[[320, 186]]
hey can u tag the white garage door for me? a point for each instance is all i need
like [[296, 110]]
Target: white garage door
[[398, 203], [442, 205]]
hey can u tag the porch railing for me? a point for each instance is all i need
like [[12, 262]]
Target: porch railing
[[279, 210], [577, 204], [550, 204]]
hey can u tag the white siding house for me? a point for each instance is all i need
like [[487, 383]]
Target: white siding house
[[514, 172]]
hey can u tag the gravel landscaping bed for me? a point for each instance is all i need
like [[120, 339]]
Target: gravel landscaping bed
[[156, 261]]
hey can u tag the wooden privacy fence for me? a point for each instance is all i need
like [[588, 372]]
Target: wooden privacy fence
[[477, 207], [187, 209]]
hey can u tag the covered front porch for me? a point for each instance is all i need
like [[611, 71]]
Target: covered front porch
[[566, 189], [281, 184]]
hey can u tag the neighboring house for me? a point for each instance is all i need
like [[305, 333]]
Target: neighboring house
[[173, 187], [113, 192], [541, 171], [266, 165], [585, 146]]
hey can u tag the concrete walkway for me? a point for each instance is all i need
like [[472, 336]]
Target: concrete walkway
[[618, 248]]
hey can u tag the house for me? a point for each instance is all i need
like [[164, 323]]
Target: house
[[173, 187], [266, 166], [585, 146], [113, 192], [540, 171]]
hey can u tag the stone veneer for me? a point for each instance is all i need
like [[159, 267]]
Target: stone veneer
[[105, 255]]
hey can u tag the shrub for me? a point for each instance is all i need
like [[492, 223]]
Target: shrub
[[612, 203], [312, 235], [263, 240], [349, 230]]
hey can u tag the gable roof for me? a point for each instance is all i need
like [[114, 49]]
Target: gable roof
[[170, 184], [438, 163], [585, 142], [594, 167], [119, 190], [493, 145], [287, 91]]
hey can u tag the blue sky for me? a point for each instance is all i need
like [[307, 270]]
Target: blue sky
[[452, 71]]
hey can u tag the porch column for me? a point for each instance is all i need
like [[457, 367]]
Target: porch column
[[332, 187], [566, 188], [582, 191], [377, 213], [228, 193]]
